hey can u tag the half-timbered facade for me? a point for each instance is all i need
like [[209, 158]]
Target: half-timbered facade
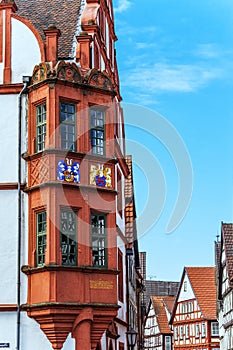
[[225, 288], [62, 244], [194, 318], [158, 334]]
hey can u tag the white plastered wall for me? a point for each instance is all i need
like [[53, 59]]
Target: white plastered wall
[[8, 137], [8, 247], [25, 51], [186, 295]]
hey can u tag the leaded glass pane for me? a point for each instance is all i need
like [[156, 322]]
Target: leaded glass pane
[[68, 225], [97, 131], [67, 127], [98, 240], [40, 127], [41, 237]]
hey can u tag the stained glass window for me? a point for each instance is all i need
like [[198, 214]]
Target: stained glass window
[[67, 126], [68, 226], [40, 127], [41, 237], [98, 240], [97, 131]]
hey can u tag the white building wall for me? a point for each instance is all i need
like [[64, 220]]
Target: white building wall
[[186, 293], [123, 306], [25, 51], [8, 138], [8, 322], [8, 247]]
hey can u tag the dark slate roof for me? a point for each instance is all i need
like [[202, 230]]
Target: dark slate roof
[[161, 288], [61, 13], [227, 240]]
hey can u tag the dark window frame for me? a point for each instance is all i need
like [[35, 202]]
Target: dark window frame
[[97, 127], [98, 228], [41, 237], [41, 120], [67, 124], [68, 243]]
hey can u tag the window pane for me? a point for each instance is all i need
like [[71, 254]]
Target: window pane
[[98, 240], [67, 126], [40, 127], [68, 227], [41, 237], [97, 131]]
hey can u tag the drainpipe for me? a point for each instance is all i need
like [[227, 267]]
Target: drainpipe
[[25, 81]]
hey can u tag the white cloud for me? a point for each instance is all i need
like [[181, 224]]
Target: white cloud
[[164, 77], [122, 5], [208, 51]]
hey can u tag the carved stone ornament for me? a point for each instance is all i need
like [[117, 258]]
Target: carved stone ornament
[[99, 79], [41, 72], [68, 71]]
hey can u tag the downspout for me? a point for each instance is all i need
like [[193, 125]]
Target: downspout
[[25, 81]]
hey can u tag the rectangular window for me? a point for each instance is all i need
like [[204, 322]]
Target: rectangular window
[[214, 329], [40, 127], [67, 126], [185, 286], [98, 240], [167, 343], [187, 331], [181, 332], [97, 131], [197, 334], [40, 237], [203, 330], [120, 276], [190, 306], [68, 226]]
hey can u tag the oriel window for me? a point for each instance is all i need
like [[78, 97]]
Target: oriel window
[[98, 240], [40, 127], [68, 226], [97, 131], [67, 126], [40, 237]]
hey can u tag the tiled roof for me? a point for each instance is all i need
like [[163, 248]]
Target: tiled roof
[[61, 13], [227, 240], [130, 216], [159, 304], [129, 180], [203, 281], [160, 288]]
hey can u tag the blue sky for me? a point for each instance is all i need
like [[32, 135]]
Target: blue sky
[[175, 60]]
